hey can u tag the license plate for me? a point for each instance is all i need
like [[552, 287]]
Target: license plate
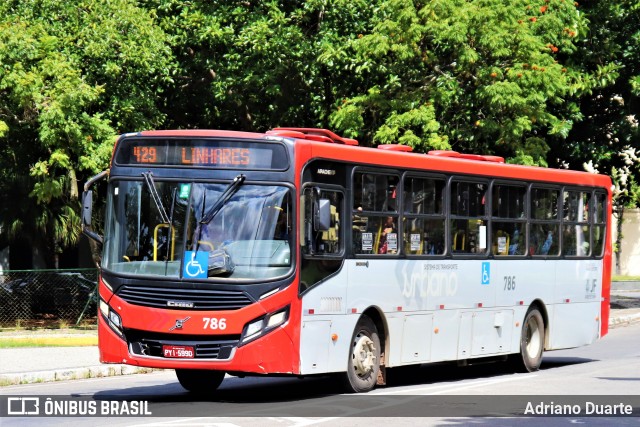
[[178, 351]]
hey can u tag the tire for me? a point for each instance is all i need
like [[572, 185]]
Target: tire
[[531, 342], [199, 381], [363, 363]]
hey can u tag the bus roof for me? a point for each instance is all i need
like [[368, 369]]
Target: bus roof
[[322, 143], [466, 165]]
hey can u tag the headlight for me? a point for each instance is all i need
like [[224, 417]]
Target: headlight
[[104, 309], [277, 319], [113, 319], [252, 329], [263, 325]]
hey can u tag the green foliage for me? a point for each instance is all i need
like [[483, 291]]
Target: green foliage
[[533, 153], [256, 65], [71, 76], [608, 135], [491, 71]]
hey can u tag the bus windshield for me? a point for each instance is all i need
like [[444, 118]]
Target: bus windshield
[[198, 231]]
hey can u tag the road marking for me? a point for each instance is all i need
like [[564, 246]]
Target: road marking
[[303, 422], [456, 387], [204, 421]]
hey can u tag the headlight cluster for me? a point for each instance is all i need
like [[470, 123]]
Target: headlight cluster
[[263, 325], [111, 317]]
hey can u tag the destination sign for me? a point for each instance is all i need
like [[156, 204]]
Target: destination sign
[[202, 152]]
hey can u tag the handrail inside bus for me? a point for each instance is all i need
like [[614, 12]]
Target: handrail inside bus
[[155, 240]]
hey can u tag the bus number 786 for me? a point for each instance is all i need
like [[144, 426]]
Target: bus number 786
[[509, 283], [214, 323]]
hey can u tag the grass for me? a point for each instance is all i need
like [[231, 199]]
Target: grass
[[53, 341], [625, 278]]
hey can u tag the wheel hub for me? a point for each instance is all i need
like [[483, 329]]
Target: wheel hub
[[364, 358]]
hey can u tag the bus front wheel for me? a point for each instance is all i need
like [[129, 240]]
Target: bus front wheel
[[364, 357], [199, 380], [531, 342]]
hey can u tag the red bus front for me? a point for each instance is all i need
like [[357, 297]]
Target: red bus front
[[199, 255]]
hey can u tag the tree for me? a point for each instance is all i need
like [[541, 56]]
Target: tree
[[72, 74], [257, 65], [608, 138], [479, 76]]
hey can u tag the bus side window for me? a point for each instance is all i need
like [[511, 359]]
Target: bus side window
[[423, 222], [468, 218], [315, 240], [329, 239], [322, 246]]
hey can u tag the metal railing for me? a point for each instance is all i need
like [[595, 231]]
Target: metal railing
[[42, 297]]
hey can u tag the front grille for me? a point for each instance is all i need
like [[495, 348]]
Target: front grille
[[176, 298], [206, 346]]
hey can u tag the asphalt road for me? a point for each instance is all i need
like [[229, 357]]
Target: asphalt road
[[443, 392]]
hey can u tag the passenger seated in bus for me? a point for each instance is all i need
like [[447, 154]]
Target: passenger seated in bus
[[515, 243], [389, 227], [546, 246]]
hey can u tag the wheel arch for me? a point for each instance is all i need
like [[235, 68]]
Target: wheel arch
[[542, 308]]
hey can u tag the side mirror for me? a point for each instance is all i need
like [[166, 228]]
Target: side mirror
[[322, 220], [87, 206]]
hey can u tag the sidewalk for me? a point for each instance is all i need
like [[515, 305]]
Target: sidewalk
[[45, 364]]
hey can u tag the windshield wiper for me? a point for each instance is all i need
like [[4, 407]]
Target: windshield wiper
[[224, 198], [170, 233], [148, 179]]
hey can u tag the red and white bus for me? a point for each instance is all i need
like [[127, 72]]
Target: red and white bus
[[299, 252]]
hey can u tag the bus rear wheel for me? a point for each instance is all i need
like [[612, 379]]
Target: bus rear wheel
[[199, 380], [364, 358], [531, 342]]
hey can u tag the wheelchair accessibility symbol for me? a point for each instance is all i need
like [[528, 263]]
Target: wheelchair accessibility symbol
[[486, 273], [195, 265]]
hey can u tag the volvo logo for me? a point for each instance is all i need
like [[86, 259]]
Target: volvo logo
[[181, 304], [179, 323]]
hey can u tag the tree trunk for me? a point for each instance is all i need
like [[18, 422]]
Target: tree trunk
[[618, 251], [73, 184]]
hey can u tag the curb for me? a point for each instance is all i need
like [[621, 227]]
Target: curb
[[100, 371], [627, 320]]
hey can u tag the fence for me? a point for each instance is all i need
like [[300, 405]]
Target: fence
[[42, 297]]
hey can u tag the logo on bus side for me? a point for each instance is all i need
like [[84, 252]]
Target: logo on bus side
[[433, 280]]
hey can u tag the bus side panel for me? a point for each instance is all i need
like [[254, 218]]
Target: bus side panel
[[323, 315], [577, 304], [518, 283], [576, 325]]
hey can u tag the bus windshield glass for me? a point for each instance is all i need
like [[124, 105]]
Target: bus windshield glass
[[200, 231]]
